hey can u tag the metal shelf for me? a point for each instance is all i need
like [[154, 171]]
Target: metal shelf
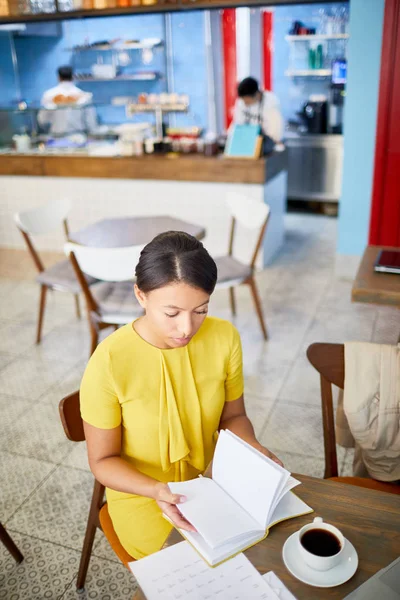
[[133, 77], [317, 36], [309, 73], [136, 108], [116, 48]]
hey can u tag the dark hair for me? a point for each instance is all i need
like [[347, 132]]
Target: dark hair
[[175, 256], [65, 73], [248, 87]]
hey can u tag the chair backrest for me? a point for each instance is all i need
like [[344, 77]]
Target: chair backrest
[[250, 215], [328, 360], [71, 417], [44, 219], [106, 264]]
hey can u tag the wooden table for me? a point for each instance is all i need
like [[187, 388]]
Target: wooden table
[[372, 287], [369, 519], [131, 231]]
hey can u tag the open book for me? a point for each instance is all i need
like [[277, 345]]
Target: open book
[[248, 493]]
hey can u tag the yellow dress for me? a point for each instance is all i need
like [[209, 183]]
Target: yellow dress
[[169, 403]]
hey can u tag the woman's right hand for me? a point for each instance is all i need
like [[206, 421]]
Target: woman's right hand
[[168, 501]]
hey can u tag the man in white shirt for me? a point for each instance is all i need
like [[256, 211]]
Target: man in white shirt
[[254, 107], [64, 121]]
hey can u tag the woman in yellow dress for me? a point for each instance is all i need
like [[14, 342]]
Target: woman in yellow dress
[[156, 392]]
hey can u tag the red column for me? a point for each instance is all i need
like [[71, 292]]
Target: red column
[[267, 32], [385, 210], [229, 54]]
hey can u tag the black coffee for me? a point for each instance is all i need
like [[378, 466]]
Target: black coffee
[[320, 542]]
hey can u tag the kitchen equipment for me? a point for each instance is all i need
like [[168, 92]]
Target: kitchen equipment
[[101, 71], [337, 95], [22, 142], [315, 114]]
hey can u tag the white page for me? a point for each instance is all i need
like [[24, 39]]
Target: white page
[[283, 486], [212, 512], [289, 485], [277, 586], [290, 506], [247, 476], [178, 573]]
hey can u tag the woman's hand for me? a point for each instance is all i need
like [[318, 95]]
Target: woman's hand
[[167, 501], [269, 454]]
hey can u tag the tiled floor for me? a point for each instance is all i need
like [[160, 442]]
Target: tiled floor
[[45, 481]]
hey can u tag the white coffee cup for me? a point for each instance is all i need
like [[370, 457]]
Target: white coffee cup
[[321, 563]]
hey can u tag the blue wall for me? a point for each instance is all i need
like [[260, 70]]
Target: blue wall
[[39, 57], [292, 93], [366, 24]]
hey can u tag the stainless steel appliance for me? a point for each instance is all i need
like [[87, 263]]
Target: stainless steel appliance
[[314, 166]]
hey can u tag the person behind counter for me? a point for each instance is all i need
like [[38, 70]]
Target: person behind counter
[[65, 121], [255, 107], [155, 393]]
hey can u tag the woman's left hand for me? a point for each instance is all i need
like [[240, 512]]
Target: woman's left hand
[[269, 454]]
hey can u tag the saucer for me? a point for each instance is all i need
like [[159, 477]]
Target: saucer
[[331, 578]]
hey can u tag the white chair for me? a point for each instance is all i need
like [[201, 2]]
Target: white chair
[[59, 277], [111, 301], [252, 216]]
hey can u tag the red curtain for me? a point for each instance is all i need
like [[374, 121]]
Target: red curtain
[[267, 32], [228, 17], [385, 211]]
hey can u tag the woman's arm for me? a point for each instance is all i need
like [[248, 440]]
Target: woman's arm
[[235, 419], [106, 464]]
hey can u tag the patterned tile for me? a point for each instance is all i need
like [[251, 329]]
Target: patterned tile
[[38, 433], [387, 326], [302, 384], [346, 469], [105, 581], [296, 428], [45, 573], [78, 457], [265, 376], [30, 378], [57, 512], [68, 343], [11, 408], [5, 359], [258, 410], [303, 465], [19, 477], [67, 385], [102, 548]]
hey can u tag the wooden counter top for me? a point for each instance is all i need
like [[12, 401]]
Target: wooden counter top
[[168, 168]]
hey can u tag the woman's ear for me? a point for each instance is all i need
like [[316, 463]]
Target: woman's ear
[[140, 296]]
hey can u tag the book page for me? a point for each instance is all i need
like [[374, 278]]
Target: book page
[[178, 573], [247, 476], [289, 506], [216, 516]]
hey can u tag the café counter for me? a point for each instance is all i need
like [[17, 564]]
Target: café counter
[[191, 187]]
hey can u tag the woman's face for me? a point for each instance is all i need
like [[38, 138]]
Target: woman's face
[[174, 312]]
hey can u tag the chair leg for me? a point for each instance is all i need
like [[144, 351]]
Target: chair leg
[[10, 545], [77, 307], [92, 525], [253, 287], [232, 300], [42, 304], [94, 335]]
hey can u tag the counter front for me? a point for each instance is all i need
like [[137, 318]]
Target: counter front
[[191, 187]]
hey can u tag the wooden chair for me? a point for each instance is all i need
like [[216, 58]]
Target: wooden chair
[[328, 360], [251, 215], [98, 514], [5, 538], [59, 277], [110, 302]]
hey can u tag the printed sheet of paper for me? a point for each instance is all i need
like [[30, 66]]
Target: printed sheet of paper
[[178, 573], [277, 586]]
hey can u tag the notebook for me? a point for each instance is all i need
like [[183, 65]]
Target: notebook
[[388, 261], [248, 494], [179, 573]]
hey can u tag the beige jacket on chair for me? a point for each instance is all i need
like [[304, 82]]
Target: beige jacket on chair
[[368, 414]]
